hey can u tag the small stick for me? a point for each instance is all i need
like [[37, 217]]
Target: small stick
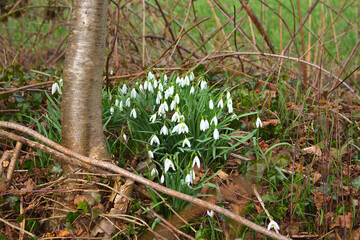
[[263, 205], [16, 227], [12, 165]]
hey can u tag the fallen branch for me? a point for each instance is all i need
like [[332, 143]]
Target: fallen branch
[[124, 173]]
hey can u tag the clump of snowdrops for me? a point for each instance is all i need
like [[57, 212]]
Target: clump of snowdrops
[[182, 122]]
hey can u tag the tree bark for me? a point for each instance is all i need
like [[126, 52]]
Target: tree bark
[[81, 121]]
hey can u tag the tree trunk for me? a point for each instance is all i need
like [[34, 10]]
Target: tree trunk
[[81, 121]]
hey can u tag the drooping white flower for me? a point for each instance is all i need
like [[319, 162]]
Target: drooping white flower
[[164, 130], [206, 124], [141, 88], [117, 102], [165, 78], [125, 137], [151, 154], [133, 93], [152, 118], [159, 95], [192, 77], [177, 99], [202, 125], [220, 103], [178, 80], [112, 110], [151, 76], [216, 134], [228, 96], [186, 142], [258, 123], [210, 213], [273, 224], [168, 164], [173, 105], [61, 82], [192, 90], [154, 139], [182, 82], [127, 103], [55, 87], [214, 120], [188, 179], [230, 105], [133, 113], [146, 85], [124, 89], [121, 105], [155, 84], [150, 88], [187, 81], [162, 179], [158, 100], [154, 171], [161, 87], [211, 104], [163, 109], [192, 173], [181, 128], [175, 117], [203, 85], [196, 161]]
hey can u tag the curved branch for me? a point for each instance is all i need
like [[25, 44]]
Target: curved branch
[[124, 173]]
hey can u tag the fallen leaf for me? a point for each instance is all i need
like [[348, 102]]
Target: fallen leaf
[[313, 150], [342, 221], [223, 175], [62, 233]]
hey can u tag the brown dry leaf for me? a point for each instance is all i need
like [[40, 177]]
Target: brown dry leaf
[[62, 233], [342, 221], [272, 122], [223, 175], [263, 145], [2, 187], [272, 94], [313, 150], [317, 176], [319, 200]]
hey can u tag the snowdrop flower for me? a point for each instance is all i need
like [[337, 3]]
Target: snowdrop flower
[[216, 134], [133, 93], [188, 179], [211, 104], [151, 76], [187, 81], [273, 224], [152, 118], [112, 110], [161, 87], [61, 82], [178, 80], [55, 87], [146, 85], [171, 90], [203, 85], [191, 77], [155, 83], [196, 161], [127, 103], [202, 125], [151, 154], [162, 179], [214, 120], [124, 89], [165, 78], [258, 123], [206, 124], [183, 82], [192, 90], [141, 88], [158, 100], [154, 171], [186, 142], [181, 128], [162, 109], [133, 113], [192, 173], [220, 103], [210, 213], [158, 97], [125, 137], [150, 88], [173, 105], [164, 130], [117, 102], [154, 139], [169, 164], [177, 99], [175, 117], [121, 104], [228, 96], [230, 106], [167, 94]]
